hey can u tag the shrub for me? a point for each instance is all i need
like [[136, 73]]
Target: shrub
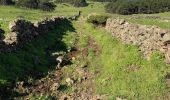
[[138, 6], [79, 3], [97, 19], [76, 3], [103, 0], [6, 2], [47, 6], [27, 3], [44, 5]]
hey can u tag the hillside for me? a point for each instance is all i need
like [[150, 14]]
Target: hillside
[[50, 56]]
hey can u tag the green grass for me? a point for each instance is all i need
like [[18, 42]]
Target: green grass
[[115, 57], [20, 65], [10, 13], [115, 79], [156, 22]]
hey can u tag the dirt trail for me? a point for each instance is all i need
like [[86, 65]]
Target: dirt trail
[[72, 82]]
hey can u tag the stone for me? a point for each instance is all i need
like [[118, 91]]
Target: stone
[[69, 81], [147, 38], [55, 87], [166, 38], [12, 26], [11, 38], [168, 82]]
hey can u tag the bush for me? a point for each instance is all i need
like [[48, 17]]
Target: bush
[[103, 0], [47, 6], [27, 3], [44, 5], [6, 2], [76, 3], [79, 3], [138, 6], [97, 19]]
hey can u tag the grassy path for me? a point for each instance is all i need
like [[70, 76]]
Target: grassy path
[[105, 68], [120, 69]]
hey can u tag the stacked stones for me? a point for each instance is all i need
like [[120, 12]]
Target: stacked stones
[[148, 38], [24, 31], [21, 31], [166, 41]]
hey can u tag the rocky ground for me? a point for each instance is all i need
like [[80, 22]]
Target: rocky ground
[[75, 81], [69, 82]]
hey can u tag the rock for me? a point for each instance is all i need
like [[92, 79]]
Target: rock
[[122, 21], [148, 38], [81, 71], [69, 81], [59, 59], [11, 38], [168, 82], [12, 26], [166, 38], [55, 87]]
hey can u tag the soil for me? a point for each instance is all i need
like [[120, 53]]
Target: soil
[[54, 85]]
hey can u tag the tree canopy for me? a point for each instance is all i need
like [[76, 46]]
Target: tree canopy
[[138, 6]]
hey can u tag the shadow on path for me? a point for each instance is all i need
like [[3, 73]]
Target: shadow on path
[[32, 60]]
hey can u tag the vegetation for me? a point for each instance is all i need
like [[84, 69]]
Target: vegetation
[[116, 78], [104, 0], [6, 2], [97, 19], [76, 3], [110, 66], [126, 7], [36, 4], [47, 6]]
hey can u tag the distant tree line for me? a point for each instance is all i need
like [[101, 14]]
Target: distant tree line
[[103, 0], [126, 7], [6, 2], [44, 5], [76, 3]]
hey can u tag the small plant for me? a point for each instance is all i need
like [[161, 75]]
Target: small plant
[[97, 19]]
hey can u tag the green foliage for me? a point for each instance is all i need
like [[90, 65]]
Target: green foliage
[[138, 6], [97, 19], [79, 3], [76, 3], [114, 77], [44, 5], [21, 65], [6, 2], [104, 0], [47, 6], [27, 3]]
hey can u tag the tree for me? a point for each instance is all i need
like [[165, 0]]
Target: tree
[[6, 2], [44, 5], [138, 6], [27, 3], [47, 6]]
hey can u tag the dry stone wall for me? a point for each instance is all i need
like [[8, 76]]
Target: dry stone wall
[[148, 38], [22, 31]]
